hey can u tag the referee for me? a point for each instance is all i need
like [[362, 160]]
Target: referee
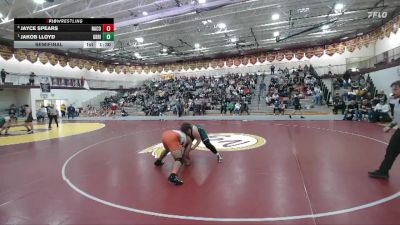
[[393, 148]]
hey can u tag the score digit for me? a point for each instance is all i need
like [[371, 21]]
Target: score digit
[[108, 27]]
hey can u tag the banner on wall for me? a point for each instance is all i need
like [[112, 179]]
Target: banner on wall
[[271, 57], [299, 54], [6, 52], [45, 84], [63, 61], [53, 59], [43, 57], [262, 58], [31, 56], [20, 54], [280, 56], [253, 59]]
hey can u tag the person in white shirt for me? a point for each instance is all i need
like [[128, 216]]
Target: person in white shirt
[[393, 149], [381, 112]]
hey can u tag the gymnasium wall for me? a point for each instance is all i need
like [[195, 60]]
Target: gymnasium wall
[[383, 78]]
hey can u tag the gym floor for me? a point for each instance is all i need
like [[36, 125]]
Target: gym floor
[[273, 172]]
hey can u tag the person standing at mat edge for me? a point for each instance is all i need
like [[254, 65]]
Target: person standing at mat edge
[[200, 134], [175, 142], [393, 149]]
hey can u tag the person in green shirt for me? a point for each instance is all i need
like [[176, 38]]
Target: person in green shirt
[[198, 133]]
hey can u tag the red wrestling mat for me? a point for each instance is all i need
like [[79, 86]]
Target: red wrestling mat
[[283, 172]]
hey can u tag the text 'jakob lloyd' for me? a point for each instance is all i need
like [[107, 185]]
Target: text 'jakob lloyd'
[[37, 36]]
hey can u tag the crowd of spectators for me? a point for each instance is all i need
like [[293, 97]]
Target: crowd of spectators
[[191, 95], [357, 99]]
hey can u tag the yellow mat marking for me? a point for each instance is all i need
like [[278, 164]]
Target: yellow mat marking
[[19, 135]]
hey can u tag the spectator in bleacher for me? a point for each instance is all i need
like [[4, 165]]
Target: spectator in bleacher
[[237, 108], [123, 112], [382, 96], [244, 108], [3, 76], [351, 110], [32, 79], [71, 111], [297, 106], [277, 106], [346, 79], [338, 104], [317, 95], [365, 108], [224, 106], [381, 112]]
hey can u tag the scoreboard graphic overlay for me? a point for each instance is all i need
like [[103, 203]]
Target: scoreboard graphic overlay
[[97, 33]]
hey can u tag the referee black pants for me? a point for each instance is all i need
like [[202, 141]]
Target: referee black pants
[[392, 152]]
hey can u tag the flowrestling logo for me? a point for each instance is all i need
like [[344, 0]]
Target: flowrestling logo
[[221, 141]]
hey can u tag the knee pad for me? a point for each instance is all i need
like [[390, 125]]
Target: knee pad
[[179, 159]]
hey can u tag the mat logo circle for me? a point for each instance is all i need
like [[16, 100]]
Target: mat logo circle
[[221, 141]]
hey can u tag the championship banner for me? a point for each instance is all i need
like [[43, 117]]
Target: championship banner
[[192, 65], [20, 54], [53, 59], [214, 64], [63, 61], [299, 54], [309, 53], [110, 68], [88, 64], [102, 67], [146, 69], [206, 64], [132, 69], [80, 63], [319, 51], [253, 60], [118, 69], [96, 66], [340, 48], [350, 45], [237, 61], [381, 33], [388, 27], [245, 60], [288, 55], [6, 52], [32, 56], [139, 69], [221, 63], [280, 56], [271, 57], [262, 58], [366, 39], [43, 57], [330, 49], [45, 84], [359, 43], [199, 65], [229, 62]]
